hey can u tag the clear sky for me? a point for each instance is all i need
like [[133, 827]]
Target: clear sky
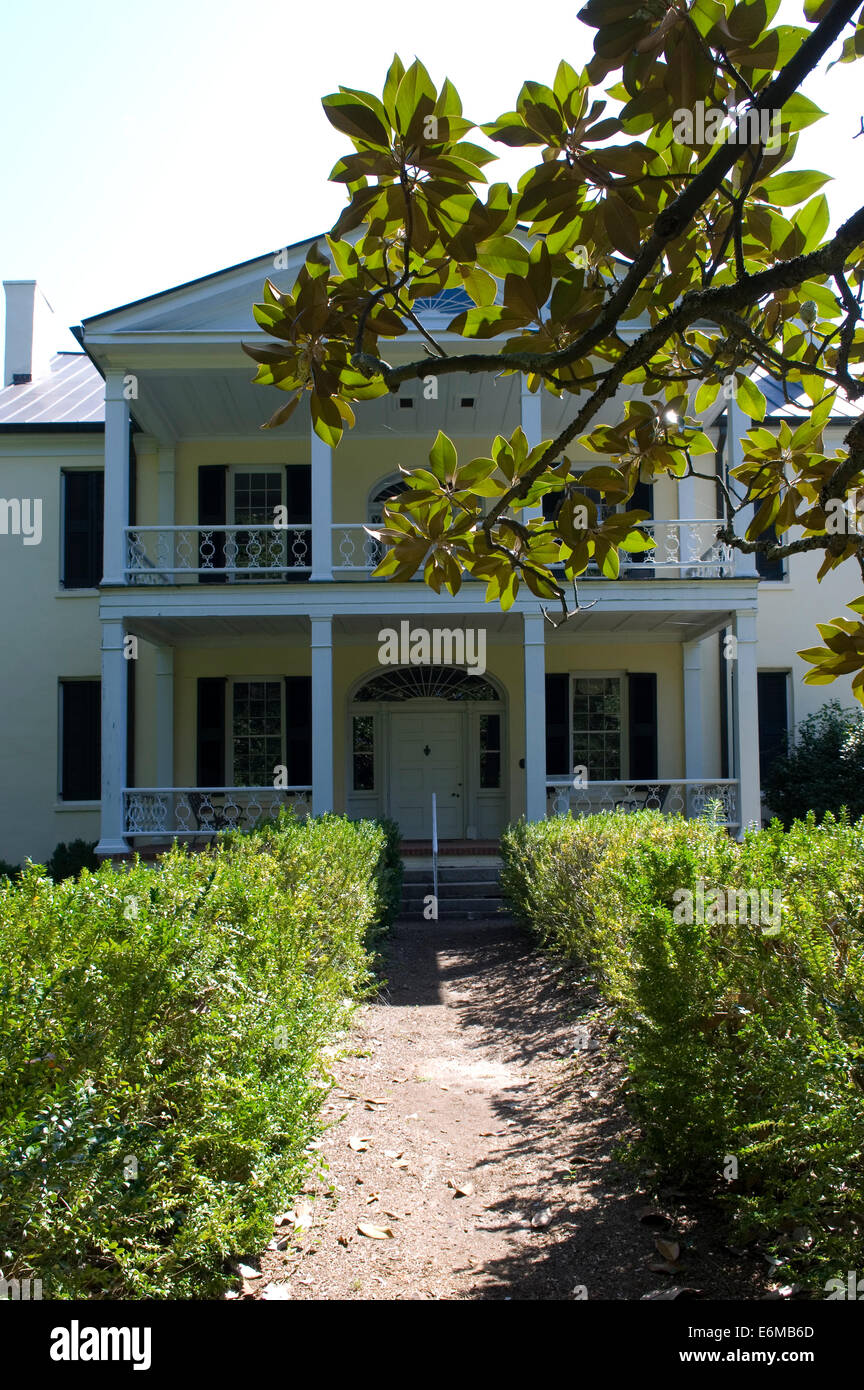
[[145, 145]]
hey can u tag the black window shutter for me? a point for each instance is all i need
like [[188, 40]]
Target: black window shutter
[[211, 731], [212, 512], [643, 725], [557, 724], [82, 528], [298, 507], [771, 687], [298, 730], [81, 725]]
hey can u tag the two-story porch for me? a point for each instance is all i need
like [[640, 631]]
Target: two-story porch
[[241, 564]]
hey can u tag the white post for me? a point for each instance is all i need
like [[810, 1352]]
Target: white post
[[692, 660], [166, 486], [164, 716], [532, 426], [736, 423], [321, 456], [688, 539], [116, 476], [535, 716], [746, 715], [322, 715], [114, 678]]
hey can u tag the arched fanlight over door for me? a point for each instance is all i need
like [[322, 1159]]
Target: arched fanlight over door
[[426, 683], [386, 492]]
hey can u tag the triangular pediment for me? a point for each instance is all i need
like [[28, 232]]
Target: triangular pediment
[[221, 302]]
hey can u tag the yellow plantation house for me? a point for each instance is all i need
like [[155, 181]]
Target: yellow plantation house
[[193, 637]]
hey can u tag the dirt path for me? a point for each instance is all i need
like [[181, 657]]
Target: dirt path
[[469, 1074]]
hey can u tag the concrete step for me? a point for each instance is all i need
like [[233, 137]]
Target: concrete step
[[415, 892], [453, 874]]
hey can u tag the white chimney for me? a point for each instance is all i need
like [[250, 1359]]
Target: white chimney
[[30, 331]]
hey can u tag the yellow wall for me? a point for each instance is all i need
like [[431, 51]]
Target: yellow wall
[[45, 634]]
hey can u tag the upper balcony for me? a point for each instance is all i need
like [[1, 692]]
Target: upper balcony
[[243, 554]]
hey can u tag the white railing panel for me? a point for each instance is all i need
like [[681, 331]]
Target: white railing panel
[[687, 797], [160, 812], [171, 554]]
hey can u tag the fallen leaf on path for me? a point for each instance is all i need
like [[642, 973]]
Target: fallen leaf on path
[[541, 1218], [491, 1133], [650, 1216], [374, 1232], [372, 1197], [401, 1163], [276, 1291], [663, 1267], [669, 1249], [247, 1272], [461, 1189], [359, 1144], [393, 1153]]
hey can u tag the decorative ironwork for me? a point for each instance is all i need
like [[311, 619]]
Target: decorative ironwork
[[426, 683], [181, 812], [681, 796]]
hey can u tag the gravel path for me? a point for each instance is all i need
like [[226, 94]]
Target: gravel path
[[477, 1108]]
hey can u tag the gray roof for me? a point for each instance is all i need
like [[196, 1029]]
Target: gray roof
[[72, 393]]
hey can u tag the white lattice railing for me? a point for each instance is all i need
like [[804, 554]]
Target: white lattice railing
[[182, 812], [674, 796], [164, 554], [681, 549]]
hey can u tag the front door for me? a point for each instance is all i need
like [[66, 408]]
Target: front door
[[426, 756]]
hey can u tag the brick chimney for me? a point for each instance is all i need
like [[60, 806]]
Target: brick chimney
[[30, 331]]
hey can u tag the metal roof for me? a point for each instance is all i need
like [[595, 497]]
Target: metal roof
[[793, 404], [72, 393]]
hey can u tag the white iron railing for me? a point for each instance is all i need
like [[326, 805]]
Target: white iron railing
[[166, 554], [183, 812], [688, 797], [680, 549]]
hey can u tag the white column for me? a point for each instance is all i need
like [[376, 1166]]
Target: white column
[[321, 456], [165, 716], [116, 476], [532, 426], [692, 660], [322, 715], [737, 424], [746, 719], [535, 716], [114, 683], [166, 486]]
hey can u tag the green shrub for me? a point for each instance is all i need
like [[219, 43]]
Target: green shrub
[[742, 1038], [69, 859], [162, 1052], [824, 768]]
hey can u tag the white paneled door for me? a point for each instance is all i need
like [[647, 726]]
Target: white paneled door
[[426, 756]]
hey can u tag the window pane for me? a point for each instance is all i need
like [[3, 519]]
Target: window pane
[[490, 769], [364, 752], [597, 726], [257, 732]]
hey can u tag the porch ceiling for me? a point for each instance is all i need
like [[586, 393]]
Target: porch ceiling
[[221, 401], [671, 625]]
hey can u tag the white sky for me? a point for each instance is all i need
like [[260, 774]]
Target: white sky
[[146, 145]]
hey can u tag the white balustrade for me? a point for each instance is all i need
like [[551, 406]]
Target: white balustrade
[[168, 554], [187, 812], [687, 797]]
